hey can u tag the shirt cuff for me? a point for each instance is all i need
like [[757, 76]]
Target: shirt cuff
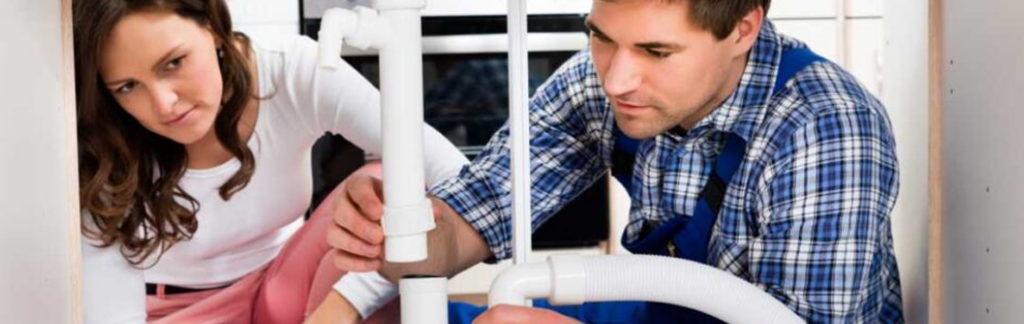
[[474, 203], [366, 291]]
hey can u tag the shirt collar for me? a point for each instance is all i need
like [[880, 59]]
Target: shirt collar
[[742, 110]]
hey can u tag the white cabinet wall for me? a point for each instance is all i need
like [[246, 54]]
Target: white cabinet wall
[[848, 32], [40, 275], [264, 18]]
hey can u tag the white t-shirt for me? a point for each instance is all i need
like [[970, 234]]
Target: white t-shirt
[[239, 236]]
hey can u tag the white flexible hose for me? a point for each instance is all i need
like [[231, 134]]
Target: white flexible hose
[[576, 279]]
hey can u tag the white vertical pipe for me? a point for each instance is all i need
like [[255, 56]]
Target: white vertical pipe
[[401, 83], [518, 95], [841, 33], [424, 300], [407, 213]]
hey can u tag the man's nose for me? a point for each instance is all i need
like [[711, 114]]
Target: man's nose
[[623, 74]]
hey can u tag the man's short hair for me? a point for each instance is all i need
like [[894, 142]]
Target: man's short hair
[[721, 16]]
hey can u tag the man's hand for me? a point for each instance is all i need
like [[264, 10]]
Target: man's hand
[[358, 238], [507, 314]]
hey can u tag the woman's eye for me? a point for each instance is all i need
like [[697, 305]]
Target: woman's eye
[[126, 88], [174, 64]]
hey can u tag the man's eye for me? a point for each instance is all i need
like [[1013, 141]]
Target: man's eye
[[658, 54], [600, 37]]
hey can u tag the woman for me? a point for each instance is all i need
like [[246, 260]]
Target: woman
[[194, 147]]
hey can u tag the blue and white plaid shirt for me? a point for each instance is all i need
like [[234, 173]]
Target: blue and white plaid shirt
[[806, 217]]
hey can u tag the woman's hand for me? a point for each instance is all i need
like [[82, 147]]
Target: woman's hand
[[335, 309], [356, 235]]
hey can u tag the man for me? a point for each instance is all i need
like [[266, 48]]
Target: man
[[806, 215]]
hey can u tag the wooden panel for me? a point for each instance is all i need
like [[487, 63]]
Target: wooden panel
[[72, 211], [935, 91]]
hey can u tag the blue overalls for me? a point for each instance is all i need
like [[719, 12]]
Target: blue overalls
[[682, 237]]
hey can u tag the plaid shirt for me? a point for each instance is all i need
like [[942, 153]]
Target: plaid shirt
[[806, 216]]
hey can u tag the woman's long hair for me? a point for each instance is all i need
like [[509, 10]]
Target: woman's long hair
[[128, 175]]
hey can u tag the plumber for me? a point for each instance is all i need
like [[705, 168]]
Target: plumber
[[740, 147]]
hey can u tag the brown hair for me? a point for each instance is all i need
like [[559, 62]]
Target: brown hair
[[128, 175], [721, 16]]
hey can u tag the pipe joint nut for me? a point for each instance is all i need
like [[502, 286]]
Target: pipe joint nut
[[408, 219]]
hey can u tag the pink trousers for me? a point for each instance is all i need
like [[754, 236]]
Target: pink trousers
[[284, 292]]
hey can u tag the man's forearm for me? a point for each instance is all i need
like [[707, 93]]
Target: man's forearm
[[453, 246]]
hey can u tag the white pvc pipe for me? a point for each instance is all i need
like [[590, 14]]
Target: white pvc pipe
[[519, 120], [575, 279], [424, 300], [521, 283], [335, 25], [841, 32], [407, 213], [408, 216], [396, 32]]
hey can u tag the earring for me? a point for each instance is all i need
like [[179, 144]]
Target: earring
[[220, 53]]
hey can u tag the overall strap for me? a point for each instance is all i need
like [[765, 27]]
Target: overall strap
[[691, 242], [689, 235], [793, 61]]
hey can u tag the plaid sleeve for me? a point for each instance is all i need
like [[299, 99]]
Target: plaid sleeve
[[825, 227], [565, 158]]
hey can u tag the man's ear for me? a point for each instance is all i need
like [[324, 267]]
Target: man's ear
[[745, 34]]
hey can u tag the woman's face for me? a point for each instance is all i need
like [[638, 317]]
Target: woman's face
[[163, 70]]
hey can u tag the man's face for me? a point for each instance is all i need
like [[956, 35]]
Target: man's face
[[658, 70]]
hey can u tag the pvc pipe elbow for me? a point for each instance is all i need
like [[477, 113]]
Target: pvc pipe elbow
[[336, 23], [562, 278], [371, 30], [518, 284]]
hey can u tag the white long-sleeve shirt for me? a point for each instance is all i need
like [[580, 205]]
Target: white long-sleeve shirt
[[239, 236]]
